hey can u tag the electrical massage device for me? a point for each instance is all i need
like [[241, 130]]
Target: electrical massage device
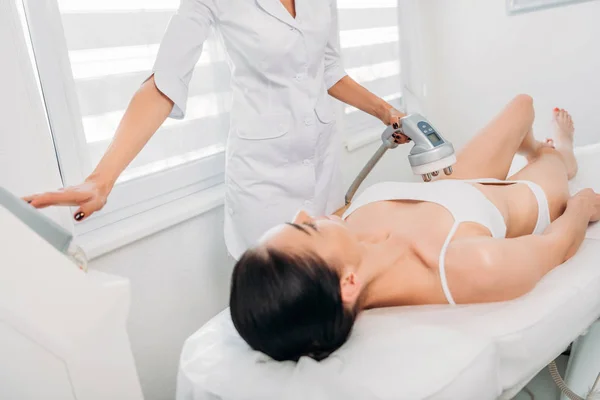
[[430, 154]]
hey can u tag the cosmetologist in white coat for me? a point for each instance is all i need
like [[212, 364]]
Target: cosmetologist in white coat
[[283, 148]]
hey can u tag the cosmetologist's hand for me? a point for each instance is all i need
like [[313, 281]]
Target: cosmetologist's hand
[[393, 118], [90, 196]]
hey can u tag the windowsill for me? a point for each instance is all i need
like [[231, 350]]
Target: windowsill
[[127, 231], [364, 138]]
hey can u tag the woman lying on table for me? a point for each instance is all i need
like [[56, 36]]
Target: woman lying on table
[[473, 237]]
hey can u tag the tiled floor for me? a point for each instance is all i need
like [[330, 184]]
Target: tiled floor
[[542, 386]]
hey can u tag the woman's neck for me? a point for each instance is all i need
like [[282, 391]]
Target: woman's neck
[[382, 264]]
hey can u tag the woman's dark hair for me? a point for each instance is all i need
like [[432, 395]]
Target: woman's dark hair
[[288, 306]]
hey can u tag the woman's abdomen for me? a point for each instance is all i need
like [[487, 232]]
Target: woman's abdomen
[[517, 204]]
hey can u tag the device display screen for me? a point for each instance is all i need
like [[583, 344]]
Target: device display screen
[[434, 139]]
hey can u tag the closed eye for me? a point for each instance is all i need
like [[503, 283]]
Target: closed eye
[[312, 226], [299, 227], [302, 227]]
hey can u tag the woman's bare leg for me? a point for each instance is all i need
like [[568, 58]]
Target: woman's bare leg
[[552, 168], [491, 152]]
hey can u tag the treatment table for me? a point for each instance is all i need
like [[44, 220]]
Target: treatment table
[[479, 352]]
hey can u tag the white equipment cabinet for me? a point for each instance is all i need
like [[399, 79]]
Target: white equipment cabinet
[[62, 331]]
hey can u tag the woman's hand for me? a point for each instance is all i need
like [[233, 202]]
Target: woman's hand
[[393, 117], [348, 91], [588, 202], [90, 196]]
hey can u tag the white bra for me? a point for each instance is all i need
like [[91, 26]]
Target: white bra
[[461, 199]]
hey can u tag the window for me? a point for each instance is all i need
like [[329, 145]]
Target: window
[[370, 44], [92, 55]]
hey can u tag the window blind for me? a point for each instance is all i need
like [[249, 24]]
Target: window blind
[[370, 45], [112, 45]]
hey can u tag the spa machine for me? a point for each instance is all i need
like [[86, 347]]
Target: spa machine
[[430, 154], [62, 329]]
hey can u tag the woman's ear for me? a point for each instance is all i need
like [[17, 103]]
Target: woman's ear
[[350, 288]]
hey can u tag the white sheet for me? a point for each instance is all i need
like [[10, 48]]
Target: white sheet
[[474, 352], [589, 167]]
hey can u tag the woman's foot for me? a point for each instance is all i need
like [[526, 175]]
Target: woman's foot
[[564, 131]]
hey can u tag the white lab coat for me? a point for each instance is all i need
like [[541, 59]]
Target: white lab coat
[[282, 150]]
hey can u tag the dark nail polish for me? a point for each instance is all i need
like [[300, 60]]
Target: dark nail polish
[[29, 201], [79, 216]]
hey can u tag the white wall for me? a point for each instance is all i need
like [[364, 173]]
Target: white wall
[[477, 58], [179, 280]]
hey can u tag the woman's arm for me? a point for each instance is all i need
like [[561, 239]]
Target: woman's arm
[[145, 114], [147, 110], [487, 269], [351, 92]]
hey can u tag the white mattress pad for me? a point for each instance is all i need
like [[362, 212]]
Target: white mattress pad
[[483, 351]]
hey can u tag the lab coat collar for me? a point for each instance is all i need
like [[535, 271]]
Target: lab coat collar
[[278, 10]]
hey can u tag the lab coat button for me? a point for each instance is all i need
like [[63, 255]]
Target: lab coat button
[[308, 203], [308, 121], [307, 162]]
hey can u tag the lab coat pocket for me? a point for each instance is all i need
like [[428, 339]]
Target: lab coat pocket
[[260, 148], [262, 127], [324, 110]]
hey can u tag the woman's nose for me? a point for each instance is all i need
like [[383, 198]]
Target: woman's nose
[[302, 218]]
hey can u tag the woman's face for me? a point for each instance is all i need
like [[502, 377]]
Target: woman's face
[[327, 237]]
